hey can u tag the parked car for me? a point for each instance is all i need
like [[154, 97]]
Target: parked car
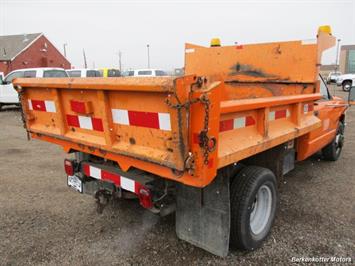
[[109, 72], [84, 73], [345, 81], [9, 96], [147, 73], [332, 77]]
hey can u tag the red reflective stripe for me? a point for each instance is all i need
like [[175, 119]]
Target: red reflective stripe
[[86, 169], [137, 187], [115, 178], [97, 124], [143, 119], [73, 120], [38, 105], [239, 47], [226, 125], [310, 107], [78, 107], [280, 114], [249, 121]]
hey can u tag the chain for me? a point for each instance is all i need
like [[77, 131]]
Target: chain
[[204, 139], [23, 117], [179, 105]]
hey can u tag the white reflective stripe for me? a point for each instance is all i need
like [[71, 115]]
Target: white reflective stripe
[[95, 172], [127, 184], [50, 106], [120, 116], [85, 122], [305, 108], [164, 121], [190, 50], [272, 115], [30, 105], [239, 122]]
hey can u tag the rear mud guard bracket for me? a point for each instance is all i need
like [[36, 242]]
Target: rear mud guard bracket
[[203, 215]]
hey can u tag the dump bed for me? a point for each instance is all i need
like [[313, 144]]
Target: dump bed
[[234, 102]]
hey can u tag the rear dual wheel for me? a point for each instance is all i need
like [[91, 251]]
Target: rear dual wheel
[[253, 206]]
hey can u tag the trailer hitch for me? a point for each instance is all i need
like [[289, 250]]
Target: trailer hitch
[[103, 198]]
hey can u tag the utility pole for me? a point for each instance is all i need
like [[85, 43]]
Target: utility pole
[[119, 60], [148, 55], [65, 50], [337, 56], [85, 63]]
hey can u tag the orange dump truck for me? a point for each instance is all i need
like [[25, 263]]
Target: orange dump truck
[[211, 145]]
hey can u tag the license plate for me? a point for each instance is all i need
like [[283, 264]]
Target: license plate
[[75, 183]]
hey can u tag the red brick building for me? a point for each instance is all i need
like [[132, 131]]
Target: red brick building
[[28, 51]]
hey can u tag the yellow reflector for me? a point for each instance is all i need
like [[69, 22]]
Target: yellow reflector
[[215, 42], [325, 29]]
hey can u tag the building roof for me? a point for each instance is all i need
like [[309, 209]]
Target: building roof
[[348, 47], [12, 45]]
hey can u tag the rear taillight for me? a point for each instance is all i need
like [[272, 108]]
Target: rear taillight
[[69, 166], [145, 198]]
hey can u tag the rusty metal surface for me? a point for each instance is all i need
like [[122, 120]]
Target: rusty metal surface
[[121, 83]]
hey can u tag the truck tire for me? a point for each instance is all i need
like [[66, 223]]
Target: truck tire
[[254, 200], [332, 151], [346, 85]]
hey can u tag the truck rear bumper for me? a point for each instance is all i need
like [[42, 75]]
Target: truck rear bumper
[[96, 177]]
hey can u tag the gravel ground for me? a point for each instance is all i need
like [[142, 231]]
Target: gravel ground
[[43, 222]]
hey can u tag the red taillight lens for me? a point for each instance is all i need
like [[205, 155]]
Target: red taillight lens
[[145, 198], [69, 167]]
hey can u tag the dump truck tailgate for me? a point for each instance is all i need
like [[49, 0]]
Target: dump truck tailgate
[[128, 116]]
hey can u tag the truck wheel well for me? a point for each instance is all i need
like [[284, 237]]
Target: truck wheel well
[[346, 80], [342, 118], [280, 160]]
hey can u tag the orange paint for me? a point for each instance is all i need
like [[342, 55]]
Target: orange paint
[[147, 123]]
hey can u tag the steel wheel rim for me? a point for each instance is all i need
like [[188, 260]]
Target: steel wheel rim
[[339, 142], [261, 210]]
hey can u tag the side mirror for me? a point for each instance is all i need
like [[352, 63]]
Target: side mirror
[[351, 98]]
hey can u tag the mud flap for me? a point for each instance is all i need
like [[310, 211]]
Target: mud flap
[[203, 215]]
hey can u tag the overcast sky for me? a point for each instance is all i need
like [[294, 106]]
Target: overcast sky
[[103, 28]]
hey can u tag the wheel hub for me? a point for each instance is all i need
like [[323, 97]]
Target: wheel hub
[[261, 210]]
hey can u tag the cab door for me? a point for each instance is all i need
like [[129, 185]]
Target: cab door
[[7, 92], [329, 110]]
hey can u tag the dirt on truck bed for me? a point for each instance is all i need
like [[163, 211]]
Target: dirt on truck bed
[[42, 221]]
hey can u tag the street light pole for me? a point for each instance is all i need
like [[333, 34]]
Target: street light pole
[[65, 50], [148, 56], [119, 60], [337, 55]]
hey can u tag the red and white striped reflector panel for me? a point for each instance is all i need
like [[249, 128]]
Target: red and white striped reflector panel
[[274, 115], [142, 119], [85, 122], [236, 123], [118, 180], [44, 106], [307, 108]]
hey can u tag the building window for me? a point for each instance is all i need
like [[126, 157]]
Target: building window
[[351, 61]]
